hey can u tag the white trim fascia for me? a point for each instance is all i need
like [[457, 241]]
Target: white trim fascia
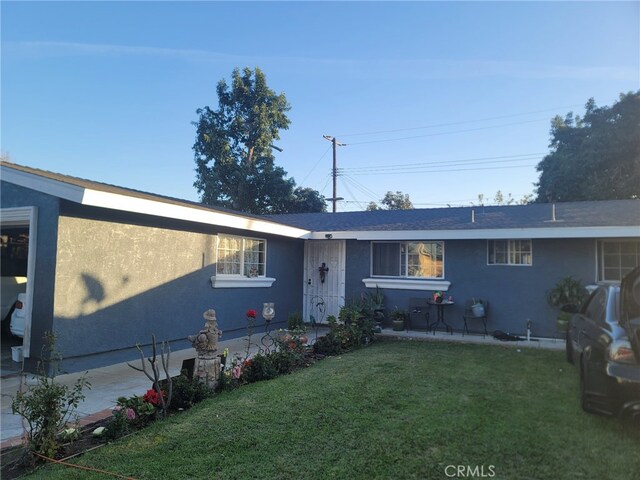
[[116, 201], [151, 207], [484, 234], [31, 276], [17, 216], [406, 284], [230, 281], [49, 186]]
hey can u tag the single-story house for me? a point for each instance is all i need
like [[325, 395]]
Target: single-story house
[[109, 266]]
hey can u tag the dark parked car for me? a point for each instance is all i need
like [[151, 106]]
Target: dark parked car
[[603, 341]]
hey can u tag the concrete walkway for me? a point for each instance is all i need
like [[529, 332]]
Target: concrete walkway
[[545, 343], [109, 383]]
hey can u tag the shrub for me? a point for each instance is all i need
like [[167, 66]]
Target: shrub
[[567, 291], [187, 392], [120, 424], [47, 406], [289, 354], [259, 367], [356, 329], [160, 398], [144, 411], [295, 322], [349, 313], [328, 344]]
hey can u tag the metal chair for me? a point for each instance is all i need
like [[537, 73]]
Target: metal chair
[[418, 313], [470, 314]]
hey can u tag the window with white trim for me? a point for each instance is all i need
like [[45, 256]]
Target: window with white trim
[[509, 252], [407, 259], [616, 258], [241, 256]]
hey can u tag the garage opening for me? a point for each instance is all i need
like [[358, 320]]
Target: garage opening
[[14, 257]]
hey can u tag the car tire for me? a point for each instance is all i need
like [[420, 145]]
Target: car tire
[[568, 349], [596, 403], [584, 395], [6, 322]]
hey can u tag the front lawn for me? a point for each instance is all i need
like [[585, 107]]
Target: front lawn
[[394, 410]]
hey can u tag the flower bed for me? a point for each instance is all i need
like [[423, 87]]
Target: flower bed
[[288, 354]]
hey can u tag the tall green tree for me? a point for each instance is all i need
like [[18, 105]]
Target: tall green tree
[[235, 165], [594, 157], [392, 201]]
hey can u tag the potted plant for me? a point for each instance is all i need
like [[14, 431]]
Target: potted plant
[[438, 296], [477, 308], [374, 304], [398, 317], [566, 295]]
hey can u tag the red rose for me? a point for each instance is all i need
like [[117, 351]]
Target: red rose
[[152, 397], [251, 313]]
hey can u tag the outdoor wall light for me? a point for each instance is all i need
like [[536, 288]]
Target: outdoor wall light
[[268, 311], [328, 236]]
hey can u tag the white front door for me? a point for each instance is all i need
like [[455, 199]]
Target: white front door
[[323, 298]]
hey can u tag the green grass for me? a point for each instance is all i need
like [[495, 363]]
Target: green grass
[[393, 410]]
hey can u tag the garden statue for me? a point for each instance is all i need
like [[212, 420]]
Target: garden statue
[[207, 367], [206, 341]]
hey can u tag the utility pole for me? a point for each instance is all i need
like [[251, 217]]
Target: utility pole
[[334, 171]]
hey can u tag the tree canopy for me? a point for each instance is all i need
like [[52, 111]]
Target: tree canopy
[[234, 150], [594, 157], [393, 201]]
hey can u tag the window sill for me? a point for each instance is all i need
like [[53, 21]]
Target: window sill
[[407, 284], [224, 281]]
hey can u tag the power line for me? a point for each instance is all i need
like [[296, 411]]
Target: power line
[[449, 133], [345, 184], [314, 166], [447, 170], [467, 161], [326, 184], [364, 189], [455, 123], [383, 170], [372, 196]]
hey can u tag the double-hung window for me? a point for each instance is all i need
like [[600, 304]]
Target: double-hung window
[[422, 259], [616, 258], [509, 252], [241, 256]]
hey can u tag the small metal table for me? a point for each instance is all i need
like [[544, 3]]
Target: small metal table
[[440, 314]]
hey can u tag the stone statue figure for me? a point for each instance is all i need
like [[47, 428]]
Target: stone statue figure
[[208, 365], [206, 341]]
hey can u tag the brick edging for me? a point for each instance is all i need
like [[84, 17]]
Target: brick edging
[[86, 420]]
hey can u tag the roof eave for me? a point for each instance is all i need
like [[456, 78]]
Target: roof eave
[[116, 201], [482, 234]]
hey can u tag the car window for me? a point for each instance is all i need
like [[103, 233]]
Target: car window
[[595, 307]]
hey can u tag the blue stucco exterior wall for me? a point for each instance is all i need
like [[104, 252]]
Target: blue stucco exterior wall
[[515, 293], [12, 196], [172, 308]]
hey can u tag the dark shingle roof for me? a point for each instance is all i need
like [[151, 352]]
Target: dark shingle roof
[[618, 213], [611, 213]]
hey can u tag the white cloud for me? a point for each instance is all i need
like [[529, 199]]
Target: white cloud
[[419, 68]]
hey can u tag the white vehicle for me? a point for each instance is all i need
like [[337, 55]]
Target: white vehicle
[[18, 316], [9, 290]]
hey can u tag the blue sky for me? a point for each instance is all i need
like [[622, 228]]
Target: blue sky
[[441, 100]]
